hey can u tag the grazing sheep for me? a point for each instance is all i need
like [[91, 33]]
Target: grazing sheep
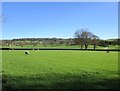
[[106, 47], [27, 52]]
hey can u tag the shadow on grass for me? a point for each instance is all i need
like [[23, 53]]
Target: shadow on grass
[[58, 82]]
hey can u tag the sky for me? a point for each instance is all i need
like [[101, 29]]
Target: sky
[[59, 19]]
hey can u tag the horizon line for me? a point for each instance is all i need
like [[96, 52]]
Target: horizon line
[[53, 37]]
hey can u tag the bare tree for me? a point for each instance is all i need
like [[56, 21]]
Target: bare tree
[[78, 37], [84, 37], [95, 41]]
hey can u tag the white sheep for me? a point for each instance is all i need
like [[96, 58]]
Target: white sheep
[[106, 47], [27, 52]]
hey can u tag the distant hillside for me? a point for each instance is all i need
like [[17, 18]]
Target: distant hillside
[[113, 39]]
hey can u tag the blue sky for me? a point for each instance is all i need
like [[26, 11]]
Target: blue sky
[[60, 19]]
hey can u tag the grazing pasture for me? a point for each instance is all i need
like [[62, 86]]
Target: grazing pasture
[[60, 69]]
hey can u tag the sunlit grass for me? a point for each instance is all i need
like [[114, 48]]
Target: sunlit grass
[[60, 69]]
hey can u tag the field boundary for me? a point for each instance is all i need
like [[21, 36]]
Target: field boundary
[[59, 49]]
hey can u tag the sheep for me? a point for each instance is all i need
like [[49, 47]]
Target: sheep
[[27, 52], [106, 47]]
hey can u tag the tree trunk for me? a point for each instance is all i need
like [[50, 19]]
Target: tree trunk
[[81, 46], [94, 47], [86, 46]]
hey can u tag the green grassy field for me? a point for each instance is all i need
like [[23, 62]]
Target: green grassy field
[[52, 69]]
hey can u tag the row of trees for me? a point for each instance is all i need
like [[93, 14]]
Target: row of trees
[[38, 41], [59, 42]]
